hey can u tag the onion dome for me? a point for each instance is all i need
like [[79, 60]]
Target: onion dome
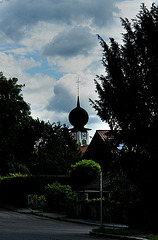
[[78, 117]]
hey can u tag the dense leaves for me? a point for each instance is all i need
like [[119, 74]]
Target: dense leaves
[[84, 172], [128, 101], [14, 113], [128, 98], [57, 193], [55, 150]]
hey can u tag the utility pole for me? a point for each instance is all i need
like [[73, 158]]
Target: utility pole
[[101, 198]]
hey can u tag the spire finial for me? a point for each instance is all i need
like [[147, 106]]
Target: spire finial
[[78, 87], [78, 92]]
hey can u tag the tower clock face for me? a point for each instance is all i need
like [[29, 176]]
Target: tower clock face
[[84, 135], [74, 135]]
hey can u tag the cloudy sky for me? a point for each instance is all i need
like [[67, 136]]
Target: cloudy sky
[[49, 44]]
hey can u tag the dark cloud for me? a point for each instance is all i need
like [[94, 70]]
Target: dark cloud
[[18, 16], [77, 41], [62, 101]]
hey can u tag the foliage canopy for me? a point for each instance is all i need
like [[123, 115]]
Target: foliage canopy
[[14, 114], [55, 150], [84, 172], [128, 98], [128, 101]]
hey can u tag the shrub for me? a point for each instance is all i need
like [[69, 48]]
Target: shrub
[[57, 193], [84, 172]]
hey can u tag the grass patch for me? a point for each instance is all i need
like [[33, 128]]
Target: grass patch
[[152, 237], [127, 232]]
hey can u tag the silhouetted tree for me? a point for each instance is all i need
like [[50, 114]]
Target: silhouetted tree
[[14, 112], [55, 150], [27, 144], [128, 98]]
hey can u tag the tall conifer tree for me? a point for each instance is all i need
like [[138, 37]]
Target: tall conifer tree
[[128, 101]]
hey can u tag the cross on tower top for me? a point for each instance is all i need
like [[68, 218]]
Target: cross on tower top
[[78, 87]]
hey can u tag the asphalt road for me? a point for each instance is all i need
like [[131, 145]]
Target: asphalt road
[[17, 226]]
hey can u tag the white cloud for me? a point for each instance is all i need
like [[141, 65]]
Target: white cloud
[[22, 51], [37, 91], [9, 65], [38, 87], [15, 67], [129, 9]]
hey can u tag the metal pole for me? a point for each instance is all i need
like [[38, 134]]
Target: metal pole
[[101, 199]]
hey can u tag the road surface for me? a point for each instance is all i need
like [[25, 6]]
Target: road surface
[[17, 226]]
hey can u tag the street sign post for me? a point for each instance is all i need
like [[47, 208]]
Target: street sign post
[[101, 199]]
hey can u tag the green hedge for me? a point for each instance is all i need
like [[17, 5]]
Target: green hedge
[[14, 190], [59, 194]]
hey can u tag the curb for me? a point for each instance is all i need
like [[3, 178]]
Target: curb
[[117, 236]]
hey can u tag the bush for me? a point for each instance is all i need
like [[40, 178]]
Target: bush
[[57, 194], [84, 172]]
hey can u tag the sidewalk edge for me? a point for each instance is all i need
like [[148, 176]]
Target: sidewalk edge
[[117, 236]]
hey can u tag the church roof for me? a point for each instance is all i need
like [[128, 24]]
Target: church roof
[[98, 146], [78, 117]]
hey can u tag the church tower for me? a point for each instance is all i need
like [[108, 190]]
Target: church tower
[[78, 117]]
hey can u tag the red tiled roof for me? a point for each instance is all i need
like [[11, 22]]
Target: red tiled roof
[[103, 133]]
